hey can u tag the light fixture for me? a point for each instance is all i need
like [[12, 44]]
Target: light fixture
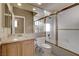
[[39, 3], [19, 4], [45, 11], [15, 39], [34, 9], [16, 24], [36, 23], [47, 27]]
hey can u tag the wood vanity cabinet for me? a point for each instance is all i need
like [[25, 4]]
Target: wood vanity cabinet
[[28, 48], [4, 50], [21, 48], [0, 51]]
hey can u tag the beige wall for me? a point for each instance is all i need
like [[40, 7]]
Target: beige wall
[[1, 14], [28, 18]]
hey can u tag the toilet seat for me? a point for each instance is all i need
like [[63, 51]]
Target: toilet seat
[[45, 46]]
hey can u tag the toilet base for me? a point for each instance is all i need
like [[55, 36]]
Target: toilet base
[[46, 51]]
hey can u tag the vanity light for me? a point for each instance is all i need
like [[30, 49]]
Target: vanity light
[[47, 27], [34, 9], [16, 23], [45, 11], [39, 3], [19, 4], [15, 39], [37, 23]]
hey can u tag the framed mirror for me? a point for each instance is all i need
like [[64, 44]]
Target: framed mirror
[[19, 24]]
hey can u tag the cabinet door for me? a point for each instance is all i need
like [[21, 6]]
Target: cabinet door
[[13, 49], [0, 51], [28, 48], [4, 52]]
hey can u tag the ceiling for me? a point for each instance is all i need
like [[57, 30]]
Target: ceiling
[[52, 7]]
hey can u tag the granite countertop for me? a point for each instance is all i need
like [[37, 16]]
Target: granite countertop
[[17, 38]]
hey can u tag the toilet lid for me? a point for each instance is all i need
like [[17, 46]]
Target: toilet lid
[[45, 45]]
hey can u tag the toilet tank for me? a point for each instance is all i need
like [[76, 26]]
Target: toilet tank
[[41, 40]]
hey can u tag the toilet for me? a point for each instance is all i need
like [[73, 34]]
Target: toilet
[[43, 47]]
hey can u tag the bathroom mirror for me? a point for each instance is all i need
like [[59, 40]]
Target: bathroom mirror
[[19, 24], [7, 20], [7, 17], [19, 20]]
